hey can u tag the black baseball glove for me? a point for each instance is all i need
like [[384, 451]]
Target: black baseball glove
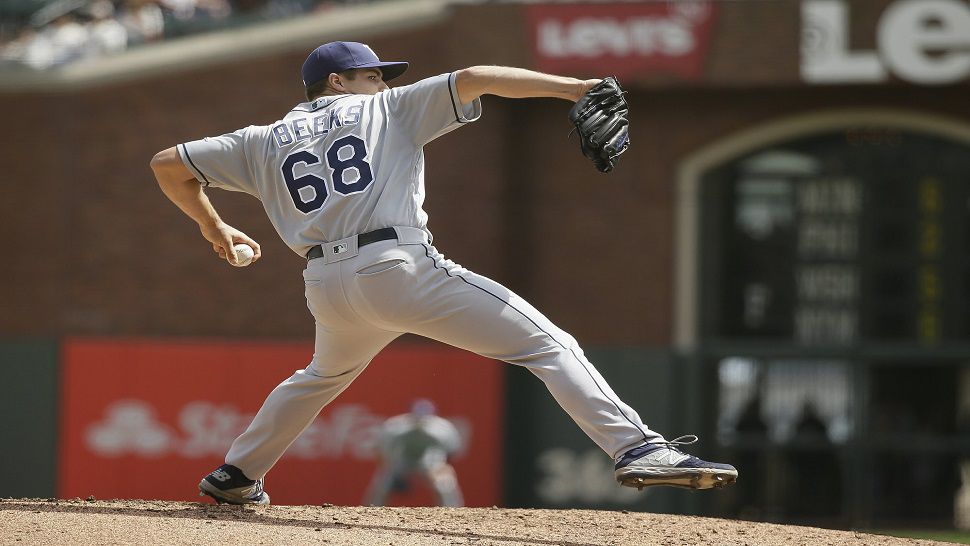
[[601, 117]]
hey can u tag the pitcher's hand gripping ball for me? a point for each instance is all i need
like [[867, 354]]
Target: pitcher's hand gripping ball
[[244, 255], [601, 117]]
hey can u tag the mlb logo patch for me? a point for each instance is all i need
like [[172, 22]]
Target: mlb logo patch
[[340, 249]]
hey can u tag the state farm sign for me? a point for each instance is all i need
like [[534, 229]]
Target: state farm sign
[[921, 41], [622, 39], [147, 419], [203, 429]]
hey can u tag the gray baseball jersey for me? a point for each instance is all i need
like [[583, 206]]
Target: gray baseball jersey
[[339, 165]]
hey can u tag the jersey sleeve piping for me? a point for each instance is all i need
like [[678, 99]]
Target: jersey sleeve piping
[[459, 109], [187, 160]]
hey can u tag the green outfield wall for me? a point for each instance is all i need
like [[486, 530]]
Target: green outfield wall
[[28, 418]]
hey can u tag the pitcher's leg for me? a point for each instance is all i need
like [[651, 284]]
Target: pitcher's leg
[[297, 401], [475, 313]]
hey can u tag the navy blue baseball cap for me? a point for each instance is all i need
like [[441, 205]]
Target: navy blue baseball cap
[[335, 57]]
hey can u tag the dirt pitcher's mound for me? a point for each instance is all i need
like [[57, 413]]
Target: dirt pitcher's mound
[[73, 522]]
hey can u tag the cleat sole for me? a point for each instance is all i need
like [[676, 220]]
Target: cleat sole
[[692, 479]]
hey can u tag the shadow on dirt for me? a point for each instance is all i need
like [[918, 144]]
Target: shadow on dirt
[[246, 514]]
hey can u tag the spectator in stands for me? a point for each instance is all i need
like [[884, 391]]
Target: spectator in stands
[[106, 34], [188, 10], [143, 20], [68, 38], [183, 10], [63, 31], [29, 48]]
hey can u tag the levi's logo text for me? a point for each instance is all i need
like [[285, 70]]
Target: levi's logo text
[[304, 128]]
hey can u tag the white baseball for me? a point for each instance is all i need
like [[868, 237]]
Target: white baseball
[[244, 253]]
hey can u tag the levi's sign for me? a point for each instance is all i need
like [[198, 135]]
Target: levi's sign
[[920, 41], [622, 39]]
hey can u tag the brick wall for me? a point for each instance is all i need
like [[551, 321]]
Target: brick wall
[[93, 247]]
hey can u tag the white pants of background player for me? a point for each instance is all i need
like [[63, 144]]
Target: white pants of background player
[[364, 301], [441, 478]]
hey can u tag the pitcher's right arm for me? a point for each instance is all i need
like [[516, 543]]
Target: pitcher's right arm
[[182, 188]]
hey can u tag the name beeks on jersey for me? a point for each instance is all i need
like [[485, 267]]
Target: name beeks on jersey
[[305, 128], [347, 160]]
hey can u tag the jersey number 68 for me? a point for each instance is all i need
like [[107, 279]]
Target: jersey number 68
[[354, 153]]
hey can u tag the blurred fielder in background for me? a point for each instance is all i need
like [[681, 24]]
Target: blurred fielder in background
[[417, 445]]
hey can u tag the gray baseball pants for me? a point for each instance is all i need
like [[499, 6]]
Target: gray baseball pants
[[364, 298]]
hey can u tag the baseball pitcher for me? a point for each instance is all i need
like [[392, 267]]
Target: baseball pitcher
[[341, 178]]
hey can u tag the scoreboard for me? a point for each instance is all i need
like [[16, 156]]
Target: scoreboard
[[835, 309], [842, 238]]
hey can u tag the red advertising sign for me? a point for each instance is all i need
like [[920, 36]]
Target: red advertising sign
[[148, 419], [622, 39]]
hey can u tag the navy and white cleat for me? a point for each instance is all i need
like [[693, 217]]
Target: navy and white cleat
[[227, 484], [662, 463]]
